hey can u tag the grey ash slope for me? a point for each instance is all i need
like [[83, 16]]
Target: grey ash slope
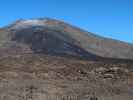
[[56, 37]]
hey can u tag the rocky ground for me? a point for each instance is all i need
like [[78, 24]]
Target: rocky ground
[[42, 77]]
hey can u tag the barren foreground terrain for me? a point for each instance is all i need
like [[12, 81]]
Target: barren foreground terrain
[[43, 77]]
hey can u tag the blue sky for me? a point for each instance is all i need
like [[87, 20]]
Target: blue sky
[[109, 18]]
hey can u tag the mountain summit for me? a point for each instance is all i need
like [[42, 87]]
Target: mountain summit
[[50, 36]]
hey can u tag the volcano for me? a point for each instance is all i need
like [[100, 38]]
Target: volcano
[[54, 37], [48, 59]]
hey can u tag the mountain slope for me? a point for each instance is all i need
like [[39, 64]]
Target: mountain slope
[[29, 72], [56, 37]]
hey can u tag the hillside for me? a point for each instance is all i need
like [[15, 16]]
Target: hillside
[[55, 37], [47, 59]]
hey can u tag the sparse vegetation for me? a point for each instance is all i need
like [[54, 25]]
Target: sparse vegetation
[[52, 60], [42, 76]]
